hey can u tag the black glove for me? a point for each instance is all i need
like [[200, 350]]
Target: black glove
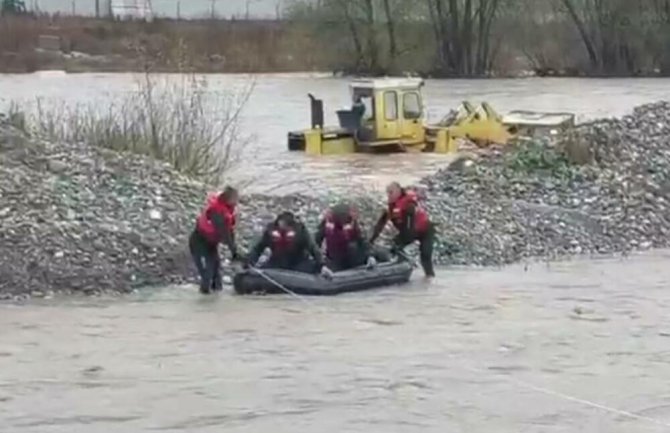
[[237, 257], [399, 252]]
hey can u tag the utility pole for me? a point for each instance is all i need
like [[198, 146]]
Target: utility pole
[[97, 8], [178, 10], [213, 7], [74, 7]]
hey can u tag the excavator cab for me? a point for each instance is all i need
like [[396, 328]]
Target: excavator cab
[[388, 114], [393, 112]]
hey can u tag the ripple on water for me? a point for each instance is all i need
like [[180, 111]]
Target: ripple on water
[[426, 360], [75, 420]]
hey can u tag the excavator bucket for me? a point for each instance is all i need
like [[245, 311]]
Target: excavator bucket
[[533, 123], [481, 125]]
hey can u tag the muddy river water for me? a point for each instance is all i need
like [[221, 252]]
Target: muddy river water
[[279, 103], [579, 346]]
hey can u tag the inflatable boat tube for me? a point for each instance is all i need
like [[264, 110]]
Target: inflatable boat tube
[[353, 280]]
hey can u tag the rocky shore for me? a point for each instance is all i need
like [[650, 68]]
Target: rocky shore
[[78, 218]]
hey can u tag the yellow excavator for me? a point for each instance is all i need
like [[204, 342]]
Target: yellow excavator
[[388, 115]]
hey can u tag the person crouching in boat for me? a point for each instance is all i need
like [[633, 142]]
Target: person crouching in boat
[[346, 246], [291, 247], [412, 223], [215, 225]]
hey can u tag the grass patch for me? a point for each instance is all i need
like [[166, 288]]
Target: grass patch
[[177, 120]]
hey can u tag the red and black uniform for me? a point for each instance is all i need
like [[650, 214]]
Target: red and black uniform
[[216, 224], [413, 224], [346, 246], [291, 248]]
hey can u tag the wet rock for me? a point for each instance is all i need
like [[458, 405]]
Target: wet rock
[[601, 193], [76, 218], [56, 166]]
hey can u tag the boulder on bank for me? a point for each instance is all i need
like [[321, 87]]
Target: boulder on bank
[[77, 217]]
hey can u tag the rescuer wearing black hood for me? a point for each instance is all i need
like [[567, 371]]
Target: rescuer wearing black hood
[[346, 245], [291, 247]]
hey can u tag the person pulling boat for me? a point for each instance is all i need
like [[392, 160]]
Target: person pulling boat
[[215, 225], [411, 221]]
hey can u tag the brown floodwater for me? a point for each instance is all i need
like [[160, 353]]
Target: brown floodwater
[[579, 346], [279, 103]]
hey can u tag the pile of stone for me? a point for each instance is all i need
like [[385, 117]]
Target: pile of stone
[[500, 209], [74, 217], [79, 218]]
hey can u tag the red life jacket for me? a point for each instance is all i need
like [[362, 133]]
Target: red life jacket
[[282, 240], [204, 222], [338, 240], [399, 208]]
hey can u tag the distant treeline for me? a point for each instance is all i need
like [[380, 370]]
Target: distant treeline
[[163, 45], [441, 38], [491, 37]]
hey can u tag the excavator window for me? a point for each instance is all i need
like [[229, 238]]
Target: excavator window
[[367, 99], [391, 105], [411, 106]]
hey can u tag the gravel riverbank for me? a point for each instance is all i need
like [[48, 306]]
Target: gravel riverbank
[[79, 218]]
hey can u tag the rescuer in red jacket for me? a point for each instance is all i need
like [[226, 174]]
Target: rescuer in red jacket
[[412, 223], [346, 245], [291, 247], [215, 225]]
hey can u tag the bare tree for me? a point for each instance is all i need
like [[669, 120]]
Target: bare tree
[[609, 30], [390, 28], [657, 20], [463, 33]]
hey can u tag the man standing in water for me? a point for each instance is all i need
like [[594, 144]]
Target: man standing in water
[[216, 224], [412, 223]]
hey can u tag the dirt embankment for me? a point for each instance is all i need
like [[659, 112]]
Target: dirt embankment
[[81, 44]]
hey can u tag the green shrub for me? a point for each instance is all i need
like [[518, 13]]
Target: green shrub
[[539, 157]]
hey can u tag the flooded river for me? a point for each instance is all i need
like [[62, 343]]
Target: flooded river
[[279, 103], [567, 347], [578, 346]]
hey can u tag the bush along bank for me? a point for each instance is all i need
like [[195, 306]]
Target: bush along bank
[[74, 217]]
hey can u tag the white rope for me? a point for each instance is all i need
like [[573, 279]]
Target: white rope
[[578, 400], [279, 285], [590, 403]]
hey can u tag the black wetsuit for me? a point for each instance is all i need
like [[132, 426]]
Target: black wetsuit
[[206, 254], [407, 234], [301, 255], [351, 254]]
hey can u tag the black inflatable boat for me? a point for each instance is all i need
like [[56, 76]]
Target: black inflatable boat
[[353, 280]]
